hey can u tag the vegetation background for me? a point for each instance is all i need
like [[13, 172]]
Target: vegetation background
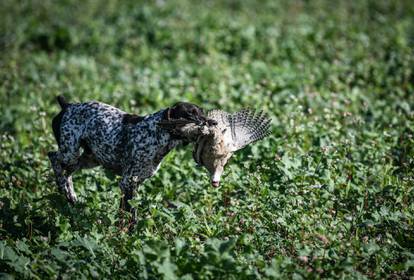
[[329, 194]]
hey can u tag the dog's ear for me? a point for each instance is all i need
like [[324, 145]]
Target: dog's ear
[[184, 121], [188, 111], [181, 114], [170, 122]]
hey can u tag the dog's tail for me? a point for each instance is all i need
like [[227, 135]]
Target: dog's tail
[[62, 102]]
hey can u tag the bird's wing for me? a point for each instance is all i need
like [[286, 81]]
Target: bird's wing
[[245, 126], [221, 117]]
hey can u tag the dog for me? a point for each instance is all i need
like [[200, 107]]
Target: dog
[[96, 134]]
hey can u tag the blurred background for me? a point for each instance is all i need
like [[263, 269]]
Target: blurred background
[[328, 194]]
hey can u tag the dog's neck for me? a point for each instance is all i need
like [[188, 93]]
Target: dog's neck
[[166, 141]]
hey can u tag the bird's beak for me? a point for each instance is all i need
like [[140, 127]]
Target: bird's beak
[[215, 179]]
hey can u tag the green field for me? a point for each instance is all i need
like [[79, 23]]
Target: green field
[[330, 194]]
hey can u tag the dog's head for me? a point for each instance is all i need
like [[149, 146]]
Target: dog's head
[[185, 121]]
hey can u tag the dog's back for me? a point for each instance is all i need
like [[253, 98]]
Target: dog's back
[[94, 126]]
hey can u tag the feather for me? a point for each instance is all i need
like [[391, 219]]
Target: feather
[[246, 126], [231, 133]]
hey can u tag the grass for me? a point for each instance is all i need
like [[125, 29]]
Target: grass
[[328, 195]]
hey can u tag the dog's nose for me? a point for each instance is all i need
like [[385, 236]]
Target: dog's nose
[[215, 183]]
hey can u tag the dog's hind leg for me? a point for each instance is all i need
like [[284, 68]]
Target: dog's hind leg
[[63, 181], [67, 160], [63, 173]]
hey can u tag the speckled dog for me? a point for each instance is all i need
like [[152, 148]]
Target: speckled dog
[[129, 145]]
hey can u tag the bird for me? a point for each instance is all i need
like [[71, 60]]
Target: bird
[[230, 133]]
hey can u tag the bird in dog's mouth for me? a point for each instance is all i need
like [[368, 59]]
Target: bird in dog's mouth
[[225, 134]]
